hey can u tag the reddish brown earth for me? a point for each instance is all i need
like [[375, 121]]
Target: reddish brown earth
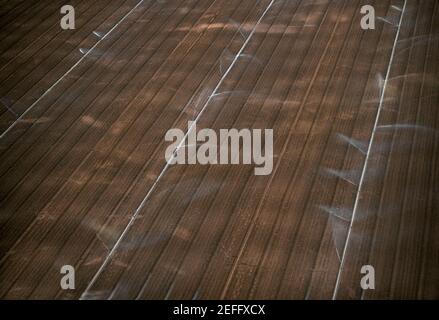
[[83, 176]]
